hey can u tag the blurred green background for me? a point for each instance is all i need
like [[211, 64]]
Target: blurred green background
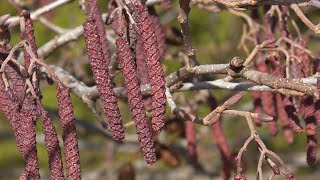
[[215, 38]]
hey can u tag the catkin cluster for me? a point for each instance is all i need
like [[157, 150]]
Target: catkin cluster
[[22, 108]]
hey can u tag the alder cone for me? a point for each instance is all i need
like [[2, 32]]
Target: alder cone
[[155, 70], [138, 111], [102, 78], [69, 133]]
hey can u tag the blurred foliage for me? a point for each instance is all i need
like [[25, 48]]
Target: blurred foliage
[[215, 37]]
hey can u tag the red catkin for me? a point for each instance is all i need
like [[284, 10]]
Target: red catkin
[[268, 103], [97, 16], [190, 131], [308, 106], [102, 78], [290, 177], [224, 149], [159, 33], [138, 111], [29, 107], [53, 148], [268, 98], [69, 133], [317, 105], [283, 116], [155, 70], [221, 142], [141, 65], [23, 129], [277, 70], [292, 115], [22, 126]]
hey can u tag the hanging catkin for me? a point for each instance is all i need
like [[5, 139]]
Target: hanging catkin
[[97, 16], [22, 125], [190, 132], [69, 133], [308, 105], [138, 111], [101, 76], [53, 148], [155, 71]]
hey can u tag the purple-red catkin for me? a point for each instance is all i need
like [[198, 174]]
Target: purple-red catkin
[[290, 177], [159, 33], [292, 115], [268, 98], [268, 103], [97, 16], [224, 149], [23, 129], [317, 104], [22, 126], [138, 111], [277, 70], [53, 148], [221, 142], [308, 106], [102, 78], [190, 131], [311, 127], [269, 107], [155, 71], [30, 106], [69, 133], [283, 116], [142, 68]]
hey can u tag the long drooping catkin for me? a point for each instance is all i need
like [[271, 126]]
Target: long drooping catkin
[[102, 78], [23, 129], [30, 106], [22, 126], [159, 33], [69, 133], [308, 106], [97, 16], [53, 148], [221, 141], [155, 70], [190, 131], [138, 111]]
